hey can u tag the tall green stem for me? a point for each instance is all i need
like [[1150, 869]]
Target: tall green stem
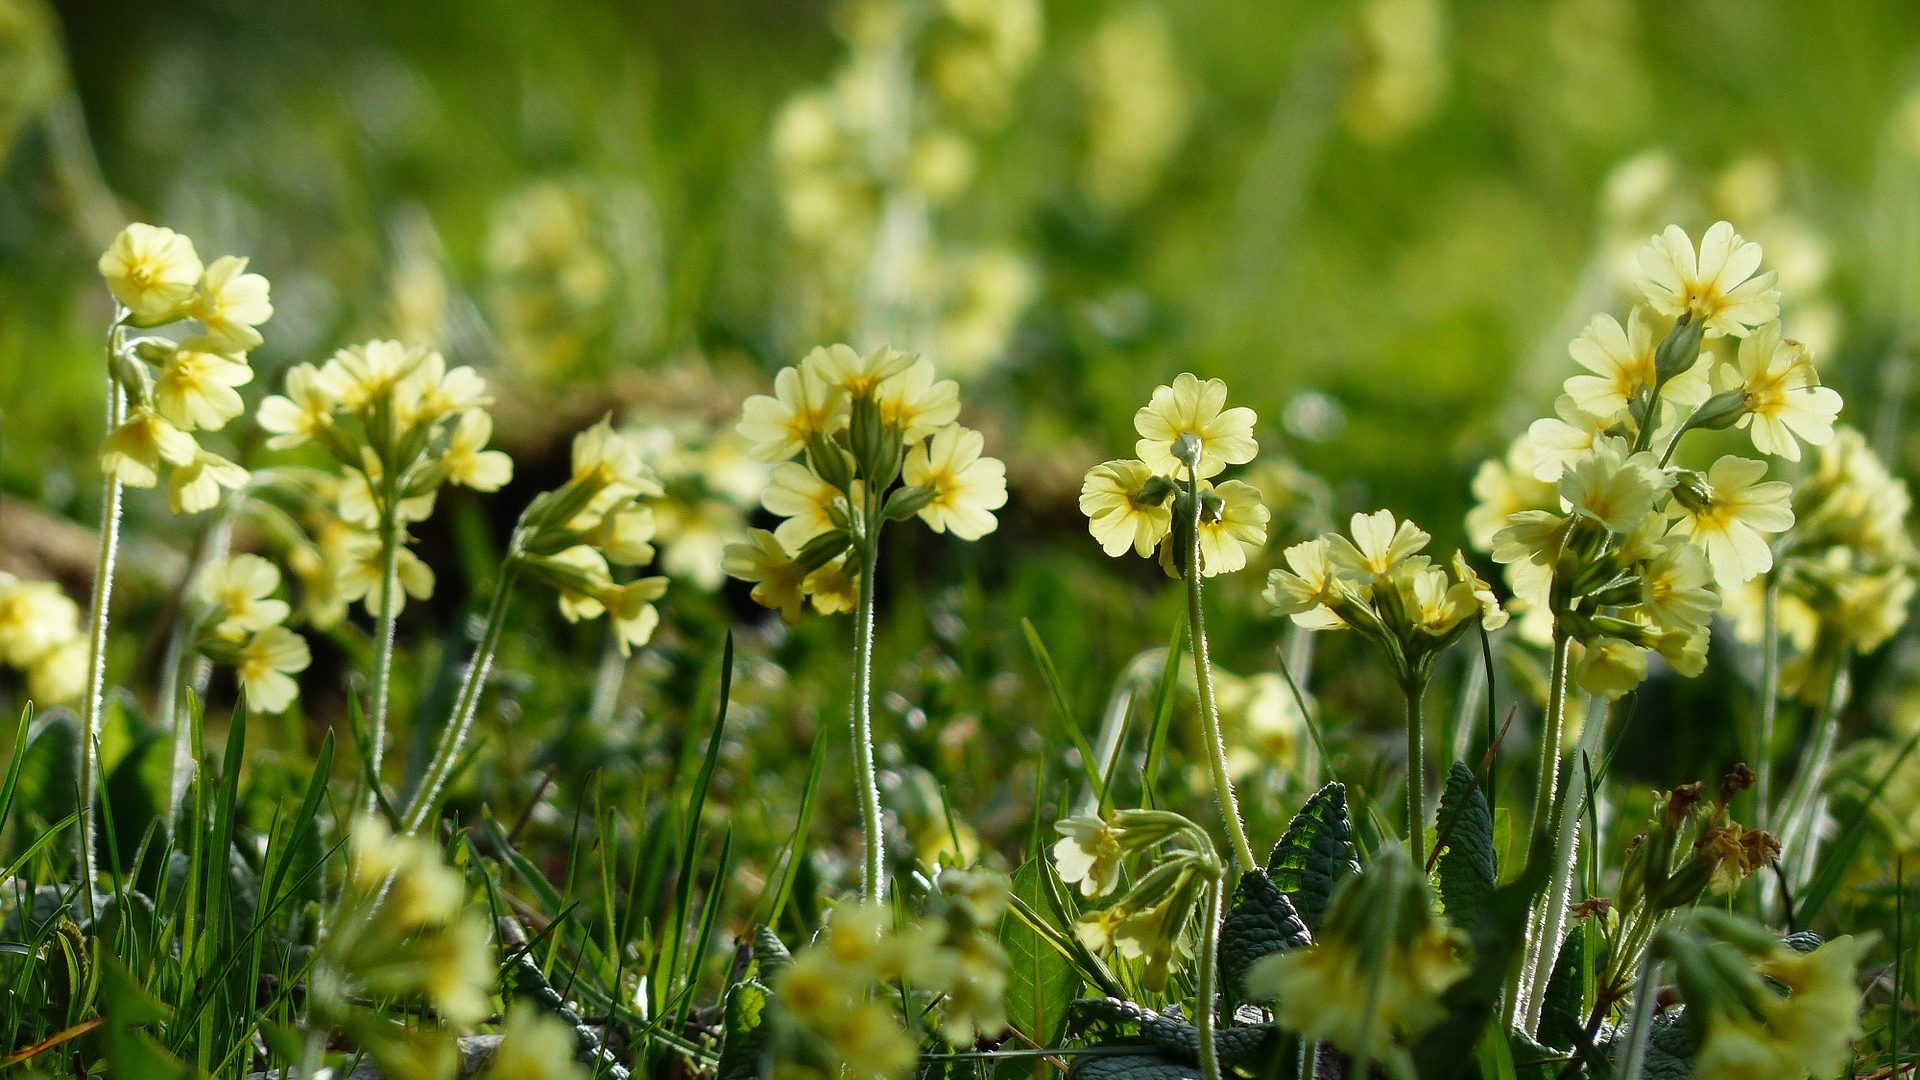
[[1769, 698], [425, 801], [873, 865], [1543, 948], [1207, 988], [1209, 708], [1415, 689], [1552, 728], [94, 704], [389, 617]]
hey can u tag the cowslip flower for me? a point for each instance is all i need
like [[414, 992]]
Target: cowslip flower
[[1613, 487], [1304, 590], [803, 406], [1504, 487], [133, 452], [303, 413], [810, 505], [1610, 667], [232, 303], [1676, 587], [1379, 545], [1227, 531], [1087, 854], [1806, 1032], [266, 664], [35, 617], [1622, 362], [196, 387], [1558, 441], [358, 572], [1785, 403], [535, 1046], [359, 375], [1196, 410], [915, 405], [1125, 508], [967, 488], [777, 578], [430, 392], [609, 464], [467, 462], [240, 589], [855, 374], [630, 609], [1716, 286], [196, 486], [1732, 525], [152, 271]]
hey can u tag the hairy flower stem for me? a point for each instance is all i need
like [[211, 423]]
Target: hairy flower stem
[[1242, 849], [1415, 689], [94, 704], [1543, 948], [873, 866], [1769, 699], [425, 802], [1552, 727], [389, 616], [1640, 1027], [1207, 988]]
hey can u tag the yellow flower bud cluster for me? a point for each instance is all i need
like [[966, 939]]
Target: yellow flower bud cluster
[[1150, 922], [174, 389], [400, 933], [828, 1020], [573, 536], [401, 424], [1187, 436], [244, 627], [1605, 541], [40, 637], [1373, 979], [856, 441]]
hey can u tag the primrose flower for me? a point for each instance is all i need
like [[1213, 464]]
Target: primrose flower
[[856, 375], [1505, 487], [967, 488], [1716, 286], [1559, 440], [1125, 507], [1785, 403], [1612, 487], [811, 505], [429, 392], [266, 665], [1805, 1032], [232, 303], [60, 674], [196, 486], [916, 406], [133, 451], [196, 387], [630, 609], [1304, 591], [1379, 545], [1610, 667], [240, 589], [359, 375], [1676, 586], [304, 412], [625, 534], [1738, 514], [1087, 853], [467, 462], [1196, 410], [804, 405], [606, 461], [778, 579], [35, 618], [833, 589], [1239, 523], [359, 572], [1622, 363], [152, 271]]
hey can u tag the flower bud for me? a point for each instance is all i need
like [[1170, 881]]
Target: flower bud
[[1680, 349], [1721, 411]]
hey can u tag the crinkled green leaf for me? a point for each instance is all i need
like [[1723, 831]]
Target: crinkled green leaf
[[1671, 1046], [745, 1047], [1261, 921], [1130, 1067], [1469, 869], [1175, 1038], [1314, 853], [1563, 1015]]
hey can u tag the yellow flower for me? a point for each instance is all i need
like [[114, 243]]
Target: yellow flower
[[416, 888], [581, 574], [1379, 545], [195, 387], [1197, 410], [305, 411], [457, 970], [811, 505], [630, 609], [856, 375], [804, 405], [1087, 853], [152, 271], [1238, 525], [359, 375], [1740, 513], [133, 451], [60, 673], [359, 572], [967, 488], [1805, 1033], [536, 1047], [1303, 591], [870, 1043], [1622, 364], [609, 462], [834, 588], [231, 303], [357, 501], [35, 618], [467, 462], [1676, 587], [1612, 487], [624, 535], [1784, 397], [196, 486], [1610, 667], [430, 393], [777, 578], [1717, 285], [241, 590], [916, 406], [1559, 440], [1119, 512], [1504, 488], [1492, 615], [266, 665]]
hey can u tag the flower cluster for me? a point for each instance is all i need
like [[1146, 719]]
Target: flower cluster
[[1763, 1007], [40, 636], [1378, 583], [1162, 498], [400, 931], [857, 441], [1845, 571], [1373, 979], [173, 389], [1607, 543], [1150, 921], [1692, 847], [572, 536], [243, 626], [402, 425], [710, 483]]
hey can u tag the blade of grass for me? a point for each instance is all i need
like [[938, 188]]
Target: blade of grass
[[1089, 766]]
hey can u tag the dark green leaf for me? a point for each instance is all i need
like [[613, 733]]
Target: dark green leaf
[[1563, 1017], [1175, 1038], [1314, 853], [1671, 1046], [1040, 981], [744, 1050], [1130, 1067], [1261, 921]]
